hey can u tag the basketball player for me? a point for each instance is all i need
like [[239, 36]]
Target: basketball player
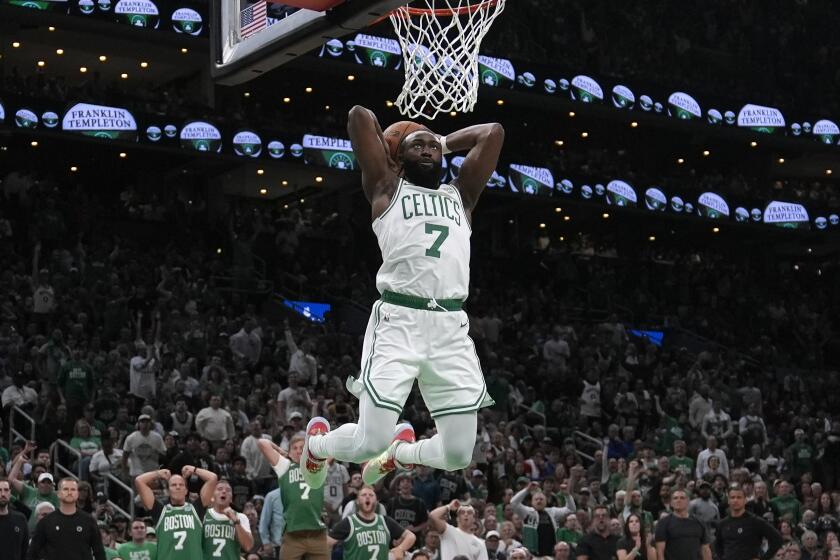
[[368, 535], [304, 534], [178, 523], [226, 532], [417, 329]]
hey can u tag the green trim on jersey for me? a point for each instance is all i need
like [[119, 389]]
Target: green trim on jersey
[[394, 199], [374, 395], [463, 206], [179, 533], [302, 505], [367, 540], [219, 539]]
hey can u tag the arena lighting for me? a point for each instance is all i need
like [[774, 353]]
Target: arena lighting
[[389, 103], [34, 143], [123, 155], [184, 50], [285, 183], [510, 221], [796, 267], [500, 102], [301, 201], [584, 135], [286, 206], [715, 230], [680, 161], [15, 44], [753, 144], [318, 179], [706, 153], [566, 218], [828, 171], [263, 191], [73, 168], [83, 69], [605, 215], [558, 142], [562, 238], [634, 124], [124, 76], [59, 51], [571, 113], [326, 107], [542, 226], [103, 58], [350, 77], [41, 63], [308, 89], [260, 171], [287, 100], [247, 94], [781, 160], [51, 28], [558, 209], [144, 64], [810, 250], [453, 113], [219, 251], [652, 238]]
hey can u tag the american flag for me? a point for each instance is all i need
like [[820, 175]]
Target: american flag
[[252, 19]]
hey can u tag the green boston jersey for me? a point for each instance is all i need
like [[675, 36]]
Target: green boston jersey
[[179, 534], [131, 551], [367, 540], [301, 504], [219, 537]]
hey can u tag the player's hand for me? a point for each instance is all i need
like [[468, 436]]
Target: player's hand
[[454, 505], [165, 474], [188, 471], [397, 553]]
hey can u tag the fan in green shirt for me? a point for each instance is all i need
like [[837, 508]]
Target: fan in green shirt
[[785, 505], [679, 461], [76, 385], [27, 495], [108, 542], [138, 548]]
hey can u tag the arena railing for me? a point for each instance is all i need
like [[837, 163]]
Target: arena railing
[[14, 434], [60, 447]]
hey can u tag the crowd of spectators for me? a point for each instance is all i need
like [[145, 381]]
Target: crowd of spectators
[[125, 343]]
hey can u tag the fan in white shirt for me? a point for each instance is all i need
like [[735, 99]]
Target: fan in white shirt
[[460, 540]]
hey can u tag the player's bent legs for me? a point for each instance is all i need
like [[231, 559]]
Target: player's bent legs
[[450, 449], [360, 442]]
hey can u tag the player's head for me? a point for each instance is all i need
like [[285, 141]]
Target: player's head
[[296, 448], [138, 531], [177, 490], [420, 157], [68, 490], [222, 495], [366, 500]]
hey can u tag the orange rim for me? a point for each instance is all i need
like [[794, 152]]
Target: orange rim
[[443, 12]]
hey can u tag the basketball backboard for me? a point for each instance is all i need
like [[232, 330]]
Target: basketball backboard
[[249, 38]]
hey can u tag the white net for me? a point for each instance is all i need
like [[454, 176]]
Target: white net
[[440, 42]]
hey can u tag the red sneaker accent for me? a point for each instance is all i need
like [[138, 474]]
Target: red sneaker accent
[[313, 463]]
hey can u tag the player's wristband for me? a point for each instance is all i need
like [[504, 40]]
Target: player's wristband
[[444, 149]]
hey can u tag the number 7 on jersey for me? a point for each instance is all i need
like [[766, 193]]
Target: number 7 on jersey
[[442, 234]]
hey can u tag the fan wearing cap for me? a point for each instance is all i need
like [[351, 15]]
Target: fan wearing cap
[[177, 523], [368, 535], [44, 490], [539, 522], [459, 540], [139, 547], [491, 541]]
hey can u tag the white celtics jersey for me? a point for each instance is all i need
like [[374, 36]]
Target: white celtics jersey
[[424, 237]]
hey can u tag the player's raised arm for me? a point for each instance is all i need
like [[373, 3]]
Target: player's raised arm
[[378, 173], [484, 142]]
